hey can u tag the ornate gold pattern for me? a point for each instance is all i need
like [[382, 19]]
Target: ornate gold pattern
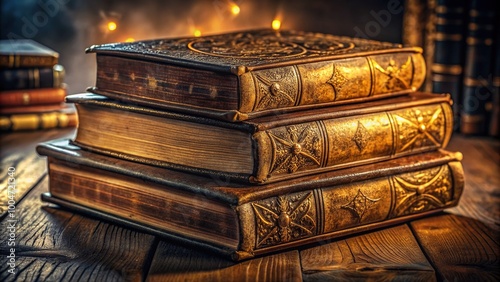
[[396, 77], [337, 81], [360, 204], [276, 88], [296, 147], [361, 136], [420, 127], [285, 218], [424, 191]]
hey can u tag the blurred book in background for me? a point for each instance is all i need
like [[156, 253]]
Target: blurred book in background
[[32, 89]]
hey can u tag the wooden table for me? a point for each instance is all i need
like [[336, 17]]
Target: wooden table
[[52, 244]]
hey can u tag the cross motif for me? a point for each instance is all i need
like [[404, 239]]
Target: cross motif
[[360, 204]]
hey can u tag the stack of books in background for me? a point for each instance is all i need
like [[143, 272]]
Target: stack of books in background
[[252, 142], [32, 88], [462, 46]]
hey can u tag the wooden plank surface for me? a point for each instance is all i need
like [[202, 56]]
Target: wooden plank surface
[[388, 254], [56, 245], [177, 263], [460, 248], [18, 153]]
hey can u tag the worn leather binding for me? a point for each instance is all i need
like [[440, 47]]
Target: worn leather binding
[[31, 78], [270, 148], [26, 53], [477, 95], [27, 97], [242, 221], [241, 75], [449, 37]]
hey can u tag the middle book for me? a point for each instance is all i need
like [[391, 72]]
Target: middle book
[[266, 149]]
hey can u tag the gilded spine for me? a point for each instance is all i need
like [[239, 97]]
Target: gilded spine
[[339, 142], [323, 213], [331, 81]]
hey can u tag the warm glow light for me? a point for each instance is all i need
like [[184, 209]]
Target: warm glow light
[[111, 26], [235, 9], [130, 39], [276, 24], [197, 33]]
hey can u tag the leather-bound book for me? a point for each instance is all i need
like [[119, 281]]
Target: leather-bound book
[[26, 53], [449, 39], [241, 221], [479, 61], [270, 148], [46, 119], [32, 78], [242, 75], [30, 97]]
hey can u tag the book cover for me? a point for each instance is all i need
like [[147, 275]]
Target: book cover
[[266, 149], [247, 74], [26, 53], [449, 39], [477, 93], [29, 97], [244, 221], [30, 78], [38, 121]]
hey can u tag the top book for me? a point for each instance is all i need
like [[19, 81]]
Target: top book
[[21, 53], [241, 75]]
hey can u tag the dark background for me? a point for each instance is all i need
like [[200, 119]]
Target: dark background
[[69, 26]]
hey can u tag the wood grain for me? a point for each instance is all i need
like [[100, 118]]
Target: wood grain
[[177, 263], [18, 151], [57, 245], [460, 248], [388, 254], [481, 163]]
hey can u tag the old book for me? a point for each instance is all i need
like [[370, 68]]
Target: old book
[[26, 53], [29, 78], [32, 109], [241, 75], [449, 39], [36, 121], [477, 93], [270, 148], [243, 221], [26, 97]]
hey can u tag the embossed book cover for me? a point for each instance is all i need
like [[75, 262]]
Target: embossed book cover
[[242, 221], [247, 74], [266, 149]]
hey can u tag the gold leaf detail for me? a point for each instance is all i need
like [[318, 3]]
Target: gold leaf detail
[[337, 81], [283, 219], [295, 148], [419, 192], [360, 204], [273, 94], [397, 77], [361, 136]]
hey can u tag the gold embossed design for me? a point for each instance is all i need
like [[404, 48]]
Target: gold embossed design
[[361, 136], [429, 189], [284, 219], [419, 128], [392, 73], [296, 147], [276, 88], [337, 81], [360, 204]]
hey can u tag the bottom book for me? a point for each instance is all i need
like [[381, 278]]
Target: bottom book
[[242, 221]]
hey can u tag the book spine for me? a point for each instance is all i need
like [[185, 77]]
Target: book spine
[[478, 65], [25, 61], [331, 81], [32, 97], [30, 78], [447, 67], [298, 218], [22, 122], [290, 151], [494, 129]]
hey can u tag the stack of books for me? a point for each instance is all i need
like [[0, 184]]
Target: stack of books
[[32, 88], [252, 142]]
